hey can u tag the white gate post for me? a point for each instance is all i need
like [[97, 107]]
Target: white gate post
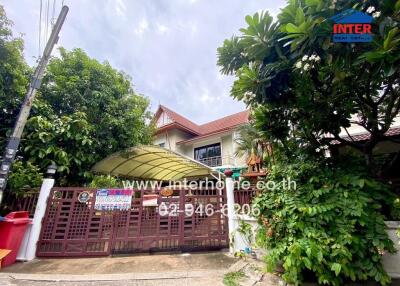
[[230, 201], [40, 210]]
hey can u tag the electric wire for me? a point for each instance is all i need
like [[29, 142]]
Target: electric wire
[[53, 14], [47, 20], [40, 29]]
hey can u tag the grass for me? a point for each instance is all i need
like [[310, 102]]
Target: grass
[[232, 278]]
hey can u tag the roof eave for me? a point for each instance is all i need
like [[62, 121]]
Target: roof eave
[[175, 125], [200, 137]]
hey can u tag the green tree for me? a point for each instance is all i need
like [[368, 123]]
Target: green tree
[[329, 224], [250, 141], [65, 140], [25, 176], [84, 111], [304, 88], [76, 83], [13, 76]]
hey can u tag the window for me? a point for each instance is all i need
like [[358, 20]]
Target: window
[[209, 155]]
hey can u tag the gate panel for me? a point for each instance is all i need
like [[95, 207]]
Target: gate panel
[[206, 227], [143, 229], [71, 228]]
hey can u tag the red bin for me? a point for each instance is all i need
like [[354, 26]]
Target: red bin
[[12, 230]]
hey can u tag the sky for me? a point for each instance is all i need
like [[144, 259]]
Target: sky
[[168, 47]]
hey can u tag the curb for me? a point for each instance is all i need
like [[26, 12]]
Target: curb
[[111, 277]]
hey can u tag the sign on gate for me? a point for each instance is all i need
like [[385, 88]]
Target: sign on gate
[[113, 199]]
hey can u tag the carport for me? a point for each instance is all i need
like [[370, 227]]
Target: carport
[[153, 163]]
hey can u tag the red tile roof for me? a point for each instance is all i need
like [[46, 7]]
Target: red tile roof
[[216, 126], [225, 122], [393, 131], [178, 119]]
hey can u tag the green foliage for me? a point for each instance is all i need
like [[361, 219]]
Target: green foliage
[[330, 226], [84, 110], [13, 76], [248, 142], [233, 278], [64, 140], [25, 176], [246, 231], [105, 182], [76, 83], [395, 214], [302, 86]]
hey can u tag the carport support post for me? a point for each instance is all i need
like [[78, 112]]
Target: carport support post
[[40, 210], [230, 201]]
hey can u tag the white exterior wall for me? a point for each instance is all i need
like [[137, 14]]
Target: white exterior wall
[[228, 146], [355, 129], [170, 138], [227, 152]]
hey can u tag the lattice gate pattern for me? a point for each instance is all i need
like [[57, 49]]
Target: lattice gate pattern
[[187, 220]]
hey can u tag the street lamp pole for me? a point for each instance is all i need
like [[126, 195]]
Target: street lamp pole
[[15, 138]]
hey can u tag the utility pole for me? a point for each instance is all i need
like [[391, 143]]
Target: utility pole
[[15, 138]]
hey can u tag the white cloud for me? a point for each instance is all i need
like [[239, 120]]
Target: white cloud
[[142, 27], [120, 7], [206, 98], [178, 70], [162, 29]]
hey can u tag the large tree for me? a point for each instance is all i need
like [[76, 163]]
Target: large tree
[[84, 111], [304, 88], [13, 76]]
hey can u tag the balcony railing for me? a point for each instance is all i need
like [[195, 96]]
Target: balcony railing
[[212, 161]]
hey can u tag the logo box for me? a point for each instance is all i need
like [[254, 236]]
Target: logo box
[[352, 26]]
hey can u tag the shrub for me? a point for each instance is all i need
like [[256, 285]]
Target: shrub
[[331, 226], [105, 182], [24, 176], [233, 278]]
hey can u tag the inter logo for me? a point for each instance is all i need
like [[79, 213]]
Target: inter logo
[[352, 26]]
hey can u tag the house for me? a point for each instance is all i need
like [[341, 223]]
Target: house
[[212, 143], [387, 150]]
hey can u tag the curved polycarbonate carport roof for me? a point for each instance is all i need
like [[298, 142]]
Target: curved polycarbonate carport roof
[[151, 163]]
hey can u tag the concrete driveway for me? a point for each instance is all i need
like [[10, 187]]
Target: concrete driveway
[[161, 269]]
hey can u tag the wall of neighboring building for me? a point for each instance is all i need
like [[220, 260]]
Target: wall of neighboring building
[[355, 129]]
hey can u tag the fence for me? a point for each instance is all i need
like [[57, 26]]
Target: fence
[[72, 228], [243, 197], [25, 202]]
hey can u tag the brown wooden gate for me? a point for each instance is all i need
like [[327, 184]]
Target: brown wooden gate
[[72, 228]]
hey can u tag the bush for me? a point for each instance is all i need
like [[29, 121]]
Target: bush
[[104, 182], [233, 278], [331, 226], [24, 176]]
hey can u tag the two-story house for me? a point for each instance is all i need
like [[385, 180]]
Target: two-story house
[[212, 143]]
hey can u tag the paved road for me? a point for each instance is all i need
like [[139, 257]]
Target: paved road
[[147, 270], [216, 281]]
